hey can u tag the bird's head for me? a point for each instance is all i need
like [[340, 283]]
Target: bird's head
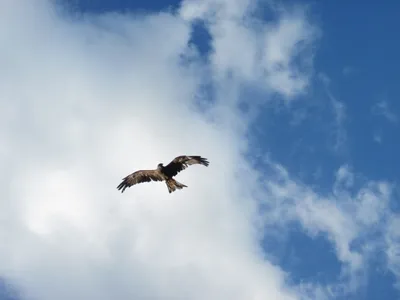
[[160, 166]]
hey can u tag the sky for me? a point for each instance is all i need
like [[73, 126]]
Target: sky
[[294, 103]]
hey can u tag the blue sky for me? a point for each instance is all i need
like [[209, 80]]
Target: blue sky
[[322, 157]]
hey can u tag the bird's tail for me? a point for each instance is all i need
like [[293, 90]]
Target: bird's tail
[[172, 185]]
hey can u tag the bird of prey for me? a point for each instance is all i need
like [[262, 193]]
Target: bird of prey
[[163, 173]]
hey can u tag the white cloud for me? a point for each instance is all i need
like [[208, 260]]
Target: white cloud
[[344, 216], [348, 71], [382, 108], [393, 247], [339, 112], [377, 136], [277, 55], [215, 10], [285, 42], [89, 101], [345, 176]]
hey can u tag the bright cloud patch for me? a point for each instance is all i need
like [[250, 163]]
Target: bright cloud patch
[[352, 219], [393, 250]]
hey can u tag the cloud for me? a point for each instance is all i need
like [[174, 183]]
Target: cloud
[[339, 111], [377, 136], [344, 176], [90, 100], [277, 55], [339, 131], [392, 238], [350, 214], [348, 71], [382, 108], [285, 42]]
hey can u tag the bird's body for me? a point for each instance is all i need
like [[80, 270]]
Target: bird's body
[[163, 173]]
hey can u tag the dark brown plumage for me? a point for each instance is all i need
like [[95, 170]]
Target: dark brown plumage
[[163, 173]]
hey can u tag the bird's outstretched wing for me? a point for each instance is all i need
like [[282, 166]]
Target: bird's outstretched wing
[[139, 177], [182, 162]]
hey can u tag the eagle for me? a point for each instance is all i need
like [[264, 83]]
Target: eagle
[[163, 173]]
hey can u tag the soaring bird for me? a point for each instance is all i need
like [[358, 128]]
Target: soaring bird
[[163, 173]]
